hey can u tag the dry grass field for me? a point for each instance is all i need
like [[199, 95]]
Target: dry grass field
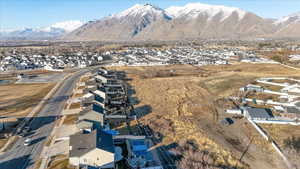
[[19, 99], [186, 103], [60, 162], [281, 133]]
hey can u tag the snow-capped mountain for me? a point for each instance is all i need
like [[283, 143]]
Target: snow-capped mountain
[[193, 10], [288, 26], [148, 22], [49, 32], [195, 20], [122, 26], [286, 20], [139, 10], [67, 26]]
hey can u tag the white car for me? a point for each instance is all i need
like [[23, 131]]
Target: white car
[[27, 142]]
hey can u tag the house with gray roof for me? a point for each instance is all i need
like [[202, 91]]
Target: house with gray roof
[[94, 117], [258, 113], [93, 149]]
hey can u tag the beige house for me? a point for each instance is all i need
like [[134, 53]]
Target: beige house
[[93, 149]]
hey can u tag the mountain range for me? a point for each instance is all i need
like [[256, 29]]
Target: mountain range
[[192, 21], [50, 32]]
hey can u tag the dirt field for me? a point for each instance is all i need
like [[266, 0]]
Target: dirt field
[[186, 103], [19, 99]]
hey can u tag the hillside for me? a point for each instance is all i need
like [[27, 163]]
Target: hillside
[[195, 20]]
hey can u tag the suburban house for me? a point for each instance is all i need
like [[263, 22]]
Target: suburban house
[[113, 83], [93, 149], [101, 79], [85, 126], [251, 87], [100, 96], [291, 112], [96, 118], [89, 89], [258, 113], [91, 81], [295, 88], [138, 154], [115, 90], [87, 99], [98, 107]]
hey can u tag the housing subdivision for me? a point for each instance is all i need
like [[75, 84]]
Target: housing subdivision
[[95, 129], [60, 59]]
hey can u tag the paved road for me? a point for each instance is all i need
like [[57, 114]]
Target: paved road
[[22, 157]]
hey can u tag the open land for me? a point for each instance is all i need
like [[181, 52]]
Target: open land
[[184, 103], [19, 99]]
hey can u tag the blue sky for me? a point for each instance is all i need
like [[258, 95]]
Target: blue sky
[[38, 13]]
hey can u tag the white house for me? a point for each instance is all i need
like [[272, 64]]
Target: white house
[[234, 111], [100, 96], [101, 78]]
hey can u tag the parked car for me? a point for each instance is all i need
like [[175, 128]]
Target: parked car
[[27, 142], [227, 121]]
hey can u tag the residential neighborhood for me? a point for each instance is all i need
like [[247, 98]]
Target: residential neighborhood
[[25, 59], [102, 104], [22, 59], [149, 84]]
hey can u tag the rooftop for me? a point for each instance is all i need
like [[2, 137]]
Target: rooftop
[[83, 124], [83, 143], [260, 113], [292, 110]]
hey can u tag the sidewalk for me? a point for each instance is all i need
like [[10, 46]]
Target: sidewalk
[[47, 153]]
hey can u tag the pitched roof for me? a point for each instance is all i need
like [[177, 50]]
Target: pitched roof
[[105, 142], [259, 113], [89, 111], [87, 95], [100, 93], [83, 143], [92, 116], [292, 110], [82, 124]]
